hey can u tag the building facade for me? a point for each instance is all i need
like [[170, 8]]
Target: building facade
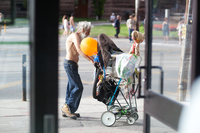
[[85, 8]]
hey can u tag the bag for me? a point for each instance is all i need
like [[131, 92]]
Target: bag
[[106, 90], [125, 65], [113, 24]]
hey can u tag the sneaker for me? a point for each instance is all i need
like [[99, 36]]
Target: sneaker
[[65, 110], [76, 114]]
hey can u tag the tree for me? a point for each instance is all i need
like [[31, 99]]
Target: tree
[[99, 7]]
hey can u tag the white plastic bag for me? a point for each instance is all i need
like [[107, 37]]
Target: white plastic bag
[[125, 65]]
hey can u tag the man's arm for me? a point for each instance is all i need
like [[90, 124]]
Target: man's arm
[[78, 48]]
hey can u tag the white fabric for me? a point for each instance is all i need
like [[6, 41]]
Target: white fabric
[[179, 28], [112, 17], [66, 25], [130, 23]]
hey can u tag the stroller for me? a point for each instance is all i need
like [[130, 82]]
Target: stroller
[[107, 85]]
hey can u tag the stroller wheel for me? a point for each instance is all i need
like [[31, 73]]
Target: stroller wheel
[[135, 116], [114, 108], [130, 120], [108, 118]]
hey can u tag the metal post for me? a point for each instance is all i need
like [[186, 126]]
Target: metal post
[[185, 60], [23, 77], [137, 6], [167, 12]]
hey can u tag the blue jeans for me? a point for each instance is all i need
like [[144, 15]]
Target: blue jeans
[[74, 86], [129, 34]]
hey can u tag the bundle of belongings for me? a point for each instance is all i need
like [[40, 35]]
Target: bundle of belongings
[[103, 88], [123, 64]]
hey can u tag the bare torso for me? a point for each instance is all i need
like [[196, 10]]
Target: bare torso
[[71, 48], [71, 21]]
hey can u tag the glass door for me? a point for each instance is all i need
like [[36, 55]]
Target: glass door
[[167, 62]]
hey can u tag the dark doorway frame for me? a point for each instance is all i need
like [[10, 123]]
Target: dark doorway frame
[[44, 65]]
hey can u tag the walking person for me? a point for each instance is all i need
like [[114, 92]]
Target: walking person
[[66, 26], [179, 28], [71, 22], [63, 21], [117, 26], [166, 30], [130, 25], [74, 86]]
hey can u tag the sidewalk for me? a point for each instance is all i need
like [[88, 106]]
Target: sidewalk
[[15, 118]]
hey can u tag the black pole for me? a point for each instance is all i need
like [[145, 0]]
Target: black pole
[[148, 57], [44, 16]]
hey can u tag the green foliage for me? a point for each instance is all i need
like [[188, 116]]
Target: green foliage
[[99, 7]]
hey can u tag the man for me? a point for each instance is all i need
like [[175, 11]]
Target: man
[[74, 87], [112, 17], [117, 26], [71, 22], [130, 25]]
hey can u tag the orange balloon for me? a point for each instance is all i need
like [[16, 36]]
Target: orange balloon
[[89, 46]]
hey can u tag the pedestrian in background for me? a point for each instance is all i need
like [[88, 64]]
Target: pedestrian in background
[[130, 25], [166, 30], [63, 21], [71, 22], [179, 28], [112, 17], [117, 26], [66, 26]]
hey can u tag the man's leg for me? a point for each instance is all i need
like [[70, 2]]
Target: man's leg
[[68, 108], [75, 93], [74, 88], [117, 32]]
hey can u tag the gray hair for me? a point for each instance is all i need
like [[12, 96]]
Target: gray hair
[[84, 25]]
